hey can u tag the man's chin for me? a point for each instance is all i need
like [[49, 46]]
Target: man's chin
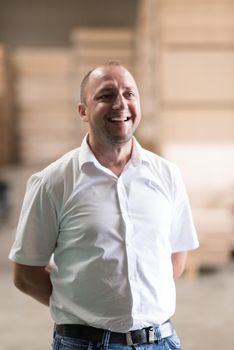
[[117, 140]]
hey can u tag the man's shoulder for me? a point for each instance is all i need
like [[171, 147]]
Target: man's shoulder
[[162, 169], [159, 162], [60, 171]]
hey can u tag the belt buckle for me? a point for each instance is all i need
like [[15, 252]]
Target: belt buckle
[[129, 338]]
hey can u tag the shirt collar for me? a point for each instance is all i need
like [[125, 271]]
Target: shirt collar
[[87, 156], [138, 154]]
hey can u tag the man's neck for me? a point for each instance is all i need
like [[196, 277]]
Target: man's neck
[[113, 158]]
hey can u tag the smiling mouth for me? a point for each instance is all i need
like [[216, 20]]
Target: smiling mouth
[[119, 119]]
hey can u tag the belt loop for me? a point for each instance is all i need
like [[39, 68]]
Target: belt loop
[[158, 334], [105, 339], [151, 335], [129, 338]]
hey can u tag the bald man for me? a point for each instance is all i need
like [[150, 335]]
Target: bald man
[[117, 221]]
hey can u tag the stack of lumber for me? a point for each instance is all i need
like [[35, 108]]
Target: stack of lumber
[[46, 114], [196, 119], [95, 46], [215, 231], [6, 127]]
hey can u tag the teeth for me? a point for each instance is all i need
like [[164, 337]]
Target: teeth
[[116, 119]]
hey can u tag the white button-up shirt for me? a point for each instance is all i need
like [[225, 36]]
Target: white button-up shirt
[[112, 237]]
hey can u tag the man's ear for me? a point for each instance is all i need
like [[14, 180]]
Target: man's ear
[[82, 112]]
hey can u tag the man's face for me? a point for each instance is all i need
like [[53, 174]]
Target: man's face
[[112, 106]]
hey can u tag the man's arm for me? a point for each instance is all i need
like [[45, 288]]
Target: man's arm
[[34, 281], [178, 262]]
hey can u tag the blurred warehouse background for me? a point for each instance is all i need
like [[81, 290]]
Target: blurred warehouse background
[[182, 55]]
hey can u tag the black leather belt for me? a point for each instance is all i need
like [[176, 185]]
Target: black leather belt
[[145, 335]]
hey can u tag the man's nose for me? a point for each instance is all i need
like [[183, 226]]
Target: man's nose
[[119, 102]]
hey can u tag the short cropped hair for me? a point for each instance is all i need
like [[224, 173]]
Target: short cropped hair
[[85, 80]]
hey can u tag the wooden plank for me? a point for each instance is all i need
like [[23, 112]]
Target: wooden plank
[[184, 125], [195, 22], [198, 76], [102, 35], [42, 90], [42, 61], [6, 123], [215, 232], [104, 53]]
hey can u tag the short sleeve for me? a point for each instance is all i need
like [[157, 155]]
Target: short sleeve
[[37, 229], [183, 232]]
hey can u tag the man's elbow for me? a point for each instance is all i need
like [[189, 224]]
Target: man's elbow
[[20, 283], [178, 262], [178, 271], [21, 277]]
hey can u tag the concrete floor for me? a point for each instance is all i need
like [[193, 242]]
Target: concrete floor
[[205, 306]]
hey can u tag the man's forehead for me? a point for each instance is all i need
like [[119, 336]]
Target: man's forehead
[[109, 74]]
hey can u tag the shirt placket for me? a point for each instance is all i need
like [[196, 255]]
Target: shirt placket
[[129, 246]]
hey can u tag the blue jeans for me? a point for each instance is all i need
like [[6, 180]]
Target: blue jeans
[[66, 343]]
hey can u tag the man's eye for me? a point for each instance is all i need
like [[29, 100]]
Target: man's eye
[[130, 94], [106, 96]]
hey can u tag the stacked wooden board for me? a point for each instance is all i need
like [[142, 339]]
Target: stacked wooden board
[[197, 115], [6, 127], [46, 114], [95, 46], [214, 227]]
